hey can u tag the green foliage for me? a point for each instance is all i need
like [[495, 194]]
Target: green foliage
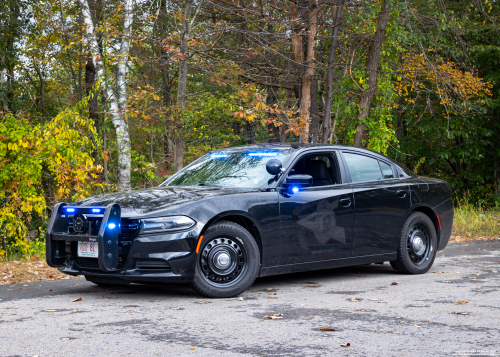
[[34, 159]]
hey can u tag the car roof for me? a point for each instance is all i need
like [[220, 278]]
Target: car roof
[[298, 147]]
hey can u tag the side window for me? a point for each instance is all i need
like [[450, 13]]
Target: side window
[[362, 168], [386, 170], [322, 167]]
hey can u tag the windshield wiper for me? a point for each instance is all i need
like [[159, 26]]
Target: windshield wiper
[[206, 184]]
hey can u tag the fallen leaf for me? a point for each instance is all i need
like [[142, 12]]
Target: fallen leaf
[[240, 299], [77, 299], [461, 313], [329, 329], [51, 310], [272, 297], [269, 289], [447, 281], [394, 283], [418, 305], [75, 310], [345, 344], [203, 302], [64, 338], [374, 299], [354, 299], [418, 326], [462, 302], [272, 294], [312, 286], [274, 316], [365, 310], [191, 347], [175, 308]]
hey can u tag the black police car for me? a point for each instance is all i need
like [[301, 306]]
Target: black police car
[[240, 213]]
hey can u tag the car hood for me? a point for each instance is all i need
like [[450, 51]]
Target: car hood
[[159, 198]]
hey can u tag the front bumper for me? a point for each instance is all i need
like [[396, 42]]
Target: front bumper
[[153, 258]]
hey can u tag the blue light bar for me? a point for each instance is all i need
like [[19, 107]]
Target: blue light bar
[[111, 226], [96, 210], [295, 189], [70, 210], [219, 156], [262, 154]]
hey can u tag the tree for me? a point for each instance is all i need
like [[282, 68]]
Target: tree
[[115, 97]]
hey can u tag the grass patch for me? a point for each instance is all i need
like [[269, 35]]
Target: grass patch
[[475, 223]]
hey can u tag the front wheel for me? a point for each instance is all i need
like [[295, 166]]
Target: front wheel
[[228, 261], [417, 246]]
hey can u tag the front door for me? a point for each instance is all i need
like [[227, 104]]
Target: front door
[[317, 222], [381, 202]]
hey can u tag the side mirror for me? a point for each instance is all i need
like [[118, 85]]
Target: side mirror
[[273, 167], [298, 181]]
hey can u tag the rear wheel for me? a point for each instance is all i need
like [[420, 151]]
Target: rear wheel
[[228, 261], [417, 246]]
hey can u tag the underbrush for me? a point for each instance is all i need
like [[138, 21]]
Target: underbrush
[[472, 222]]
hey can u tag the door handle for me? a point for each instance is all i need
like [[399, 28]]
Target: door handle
[[346, 202], [401, 194]]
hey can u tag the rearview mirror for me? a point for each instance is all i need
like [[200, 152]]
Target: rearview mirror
[[273, 166]]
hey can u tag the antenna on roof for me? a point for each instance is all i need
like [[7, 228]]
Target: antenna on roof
[[312, 139], [300, 138]]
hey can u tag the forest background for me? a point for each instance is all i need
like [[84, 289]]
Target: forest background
[[97, 96]]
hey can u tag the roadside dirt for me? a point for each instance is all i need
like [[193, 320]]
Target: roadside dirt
[[15, 272]]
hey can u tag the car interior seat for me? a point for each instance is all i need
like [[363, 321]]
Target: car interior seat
[[319, 171]]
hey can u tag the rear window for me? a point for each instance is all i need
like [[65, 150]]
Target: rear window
[[362, 168]]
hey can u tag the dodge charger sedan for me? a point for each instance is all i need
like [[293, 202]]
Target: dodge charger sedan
[[240, 213]]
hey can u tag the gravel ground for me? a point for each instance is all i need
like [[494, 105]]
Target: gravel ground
[[453, 310]]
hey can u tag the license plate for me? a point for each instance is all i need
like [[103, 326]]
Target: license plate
[[88, 249]]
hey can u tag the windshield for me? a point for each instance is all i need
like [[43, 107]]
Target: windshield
[[229, 169]]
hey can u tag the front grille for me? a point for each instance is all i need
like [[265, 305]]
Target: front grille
[[92, 263], [129, 227]]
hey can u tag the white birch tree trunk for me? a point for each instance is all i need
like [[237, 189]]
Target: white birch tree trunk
[[117, 103]]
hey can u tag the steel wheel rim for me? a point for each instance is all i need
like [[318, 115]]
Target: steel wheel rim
[[419, 244], [223, 261]]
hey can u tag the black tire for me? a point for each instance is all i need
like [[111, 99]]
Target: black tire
[[106, 282], [228, 261], [417, 245]]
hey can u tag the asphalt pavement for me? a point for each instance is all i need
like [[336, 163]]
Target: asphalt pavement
[[454, 310]]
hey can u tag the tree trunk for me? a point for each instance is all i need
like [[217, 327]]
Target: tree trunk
[[182, 86], [329, 73], [314, 130], [42, 90], [117, 104], [304, 32], [365, 102], [93, 105]]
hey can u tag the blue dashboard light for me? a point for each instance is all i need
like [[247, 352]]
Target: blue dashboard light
[[70, 210], [96, 210], [295, 189], [111, 226], [262, 154]]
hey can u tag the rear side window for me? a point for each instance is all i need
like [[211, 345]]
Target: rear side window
[[362, 168], [386, 170]]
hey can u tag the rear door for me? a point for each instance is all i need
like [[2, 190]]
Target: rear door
[[381, 201], [317, 222]]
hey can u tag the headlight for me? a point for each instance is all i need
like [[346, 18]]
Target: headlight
[[165, 224]]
